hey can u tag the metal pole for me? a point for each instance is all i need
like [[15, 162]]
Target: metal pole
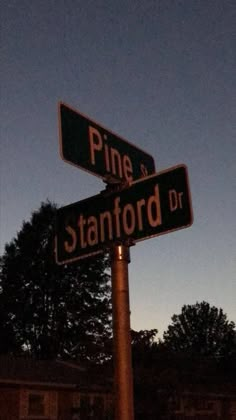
[[123, 380]]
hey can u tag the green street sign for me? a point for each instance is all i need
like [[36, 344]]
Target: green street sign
[[92, 147], [155, 205]]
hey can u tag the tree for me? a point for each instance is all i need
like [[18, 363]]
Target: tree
[[49, 310], [143, 338], [202, 330], [144, 346]]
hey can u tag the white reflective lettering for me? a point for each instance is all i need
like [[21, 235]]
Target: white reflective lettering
[[81, 224], [128, 168], [106, 216], [114, 162], [128, 213], [175, 200], [116, 167], [154, 208], [140, 204], [92, 234], [95, 142], [70, 247]]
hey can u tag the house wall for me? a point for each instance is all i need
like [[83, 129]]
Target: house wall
[[9, 404], [49, 403], [220, 408], [59, 404], [65, 404]]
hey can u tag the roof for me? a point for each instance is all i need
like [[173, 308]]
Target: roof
[[55, 373]]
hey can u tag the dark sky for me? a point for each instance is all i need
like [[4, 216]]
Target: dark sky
[[159, 73]]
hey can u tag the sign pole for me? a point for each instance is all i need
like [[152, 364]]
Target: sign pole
[[123, 380]]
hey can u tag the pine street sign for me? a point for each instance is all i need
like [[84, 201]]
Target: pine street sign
[[92, 147], [152, 206]]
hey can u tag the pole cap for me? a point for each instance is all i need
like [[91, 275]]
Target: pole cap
[[120, 253]]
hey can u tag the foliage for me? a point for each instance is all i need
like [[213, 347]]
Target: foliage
[[202, 330], [143, 338], [49, 310], [144, 348]]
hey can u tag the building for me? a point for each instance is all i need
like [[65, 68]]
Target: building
[[57, 390], [52, 390], [177, 389]]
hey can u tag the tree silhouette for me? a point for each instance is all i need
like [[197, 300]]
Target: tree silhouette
[[49, 310], [202, 330], [143, 338]]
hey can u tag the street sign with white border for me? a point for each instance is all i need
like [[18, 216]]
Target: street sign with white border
[[92, 147], [152, 206]]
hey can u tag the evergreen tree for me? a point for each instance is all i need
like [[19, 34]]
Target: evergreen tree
[[49, 310]]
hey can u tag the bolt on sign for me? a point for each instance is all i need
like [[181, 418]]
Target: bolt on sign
[[152, 206], [92, 147]]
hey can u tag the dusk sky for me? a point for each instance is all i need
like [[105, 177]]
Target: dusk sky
[[160, 74]]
